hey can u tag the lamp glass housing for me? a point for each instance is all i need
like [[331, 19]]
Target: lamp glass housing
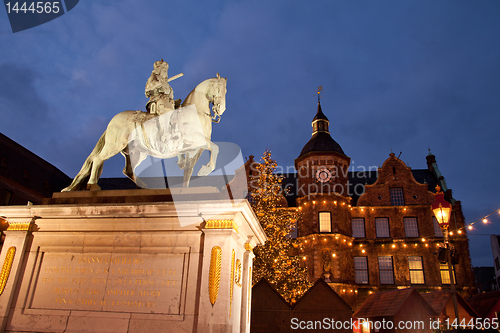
[[442, 215]]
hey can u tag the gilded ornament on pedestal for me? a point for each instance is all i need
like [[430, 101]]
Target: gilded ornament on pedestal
[[231, 283], [248, 247], [214, 275], [221, 224], [7, 265], [19, 226], [237, 279]]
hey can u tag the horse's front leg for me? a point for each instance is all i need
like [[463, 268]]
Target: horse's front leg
[[210, 166], [191, 158], [109, 149], [136, 158], [94, 174], [181, 161]]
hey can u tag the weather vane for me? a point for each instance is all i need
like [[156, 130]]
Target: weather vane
[[320, 90]]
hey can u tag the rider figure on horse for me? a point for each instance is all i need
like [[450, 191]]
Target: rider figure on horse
[[161, 100], [161, 95]]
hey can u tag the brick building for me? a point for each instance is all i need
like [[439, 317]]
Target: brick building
[[25, 176], [371, 231]]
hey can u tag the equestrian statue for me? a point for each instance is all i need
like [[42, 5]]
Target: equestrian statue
[[167, 129]]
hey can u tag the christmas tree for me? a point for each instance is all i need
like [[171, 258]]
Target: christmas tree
[[273, 260]]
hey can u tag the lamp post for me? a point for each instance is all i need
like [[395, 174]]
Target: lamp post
[[442, 210]]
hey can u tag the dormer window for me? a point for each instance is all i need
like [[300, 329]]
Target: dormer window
[[397, 198]]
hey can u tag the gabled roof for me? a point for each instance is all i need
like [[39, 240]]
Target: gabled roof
[[321, 297], [485, 302], [388, 303], [438, 300], [388, 170], [265, 297]]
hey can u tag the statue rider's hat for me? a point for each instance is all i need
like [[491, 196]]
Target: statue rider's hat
[[161, 63]]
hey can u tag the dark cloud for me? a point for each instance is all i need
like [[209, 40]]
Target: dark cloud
[[21, 106], [18, 92]]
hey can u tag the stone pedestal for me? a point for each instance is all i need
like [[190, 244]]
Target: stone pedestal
[[127, 261]]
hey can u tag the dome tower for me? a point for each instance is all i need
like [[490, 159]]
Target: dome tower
[[324, 228], [322, 164]]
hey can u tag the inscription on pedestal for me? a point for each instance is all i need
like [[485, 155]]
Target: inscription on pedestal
[[145, 283]]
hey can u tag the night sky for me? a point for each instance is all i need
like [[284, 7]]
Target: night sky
[[401, 75]]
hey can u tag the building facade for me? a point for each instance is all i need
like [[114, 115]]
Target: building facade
[[373, 231], [26, 177]]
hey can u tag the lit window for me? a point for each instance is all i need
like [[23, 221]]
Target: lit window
[[438, 232], [411, 227], [325, 222], [358, 228], [416, 270], [397, 198], [382, 227], [445, 274], [361, 270], [385, 270]]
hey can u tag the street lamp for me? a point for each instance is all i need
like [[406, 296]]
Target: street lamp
[[442, 210]]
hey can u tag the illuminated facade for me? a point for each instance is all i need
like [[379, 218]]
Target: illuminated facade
[[372, 231]]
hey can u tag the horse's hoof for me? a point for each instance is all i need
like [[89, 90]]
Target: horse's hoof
[[93, 187], [181, 165], [204, 171]]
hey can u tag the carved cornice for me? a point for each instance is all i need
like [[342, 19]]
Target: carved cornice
[[19, 226], [214, 274], [221, 224], [7, 265]]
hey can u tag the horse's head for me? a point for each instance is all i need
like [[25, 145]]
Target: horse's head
[[216, 94]]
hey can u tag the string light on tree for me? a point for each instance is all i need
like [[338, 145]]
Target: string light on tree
[[273, 260]]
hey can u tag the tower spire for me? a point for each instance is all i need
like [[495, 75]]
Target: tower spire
[[320, 122]]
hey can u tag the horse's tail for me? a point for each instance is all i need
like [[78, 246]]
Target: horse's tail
[[87, 166], [82, 177]]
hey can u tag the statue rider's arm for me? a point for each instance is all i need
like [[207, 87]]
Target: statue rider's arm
[[151, 85]]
